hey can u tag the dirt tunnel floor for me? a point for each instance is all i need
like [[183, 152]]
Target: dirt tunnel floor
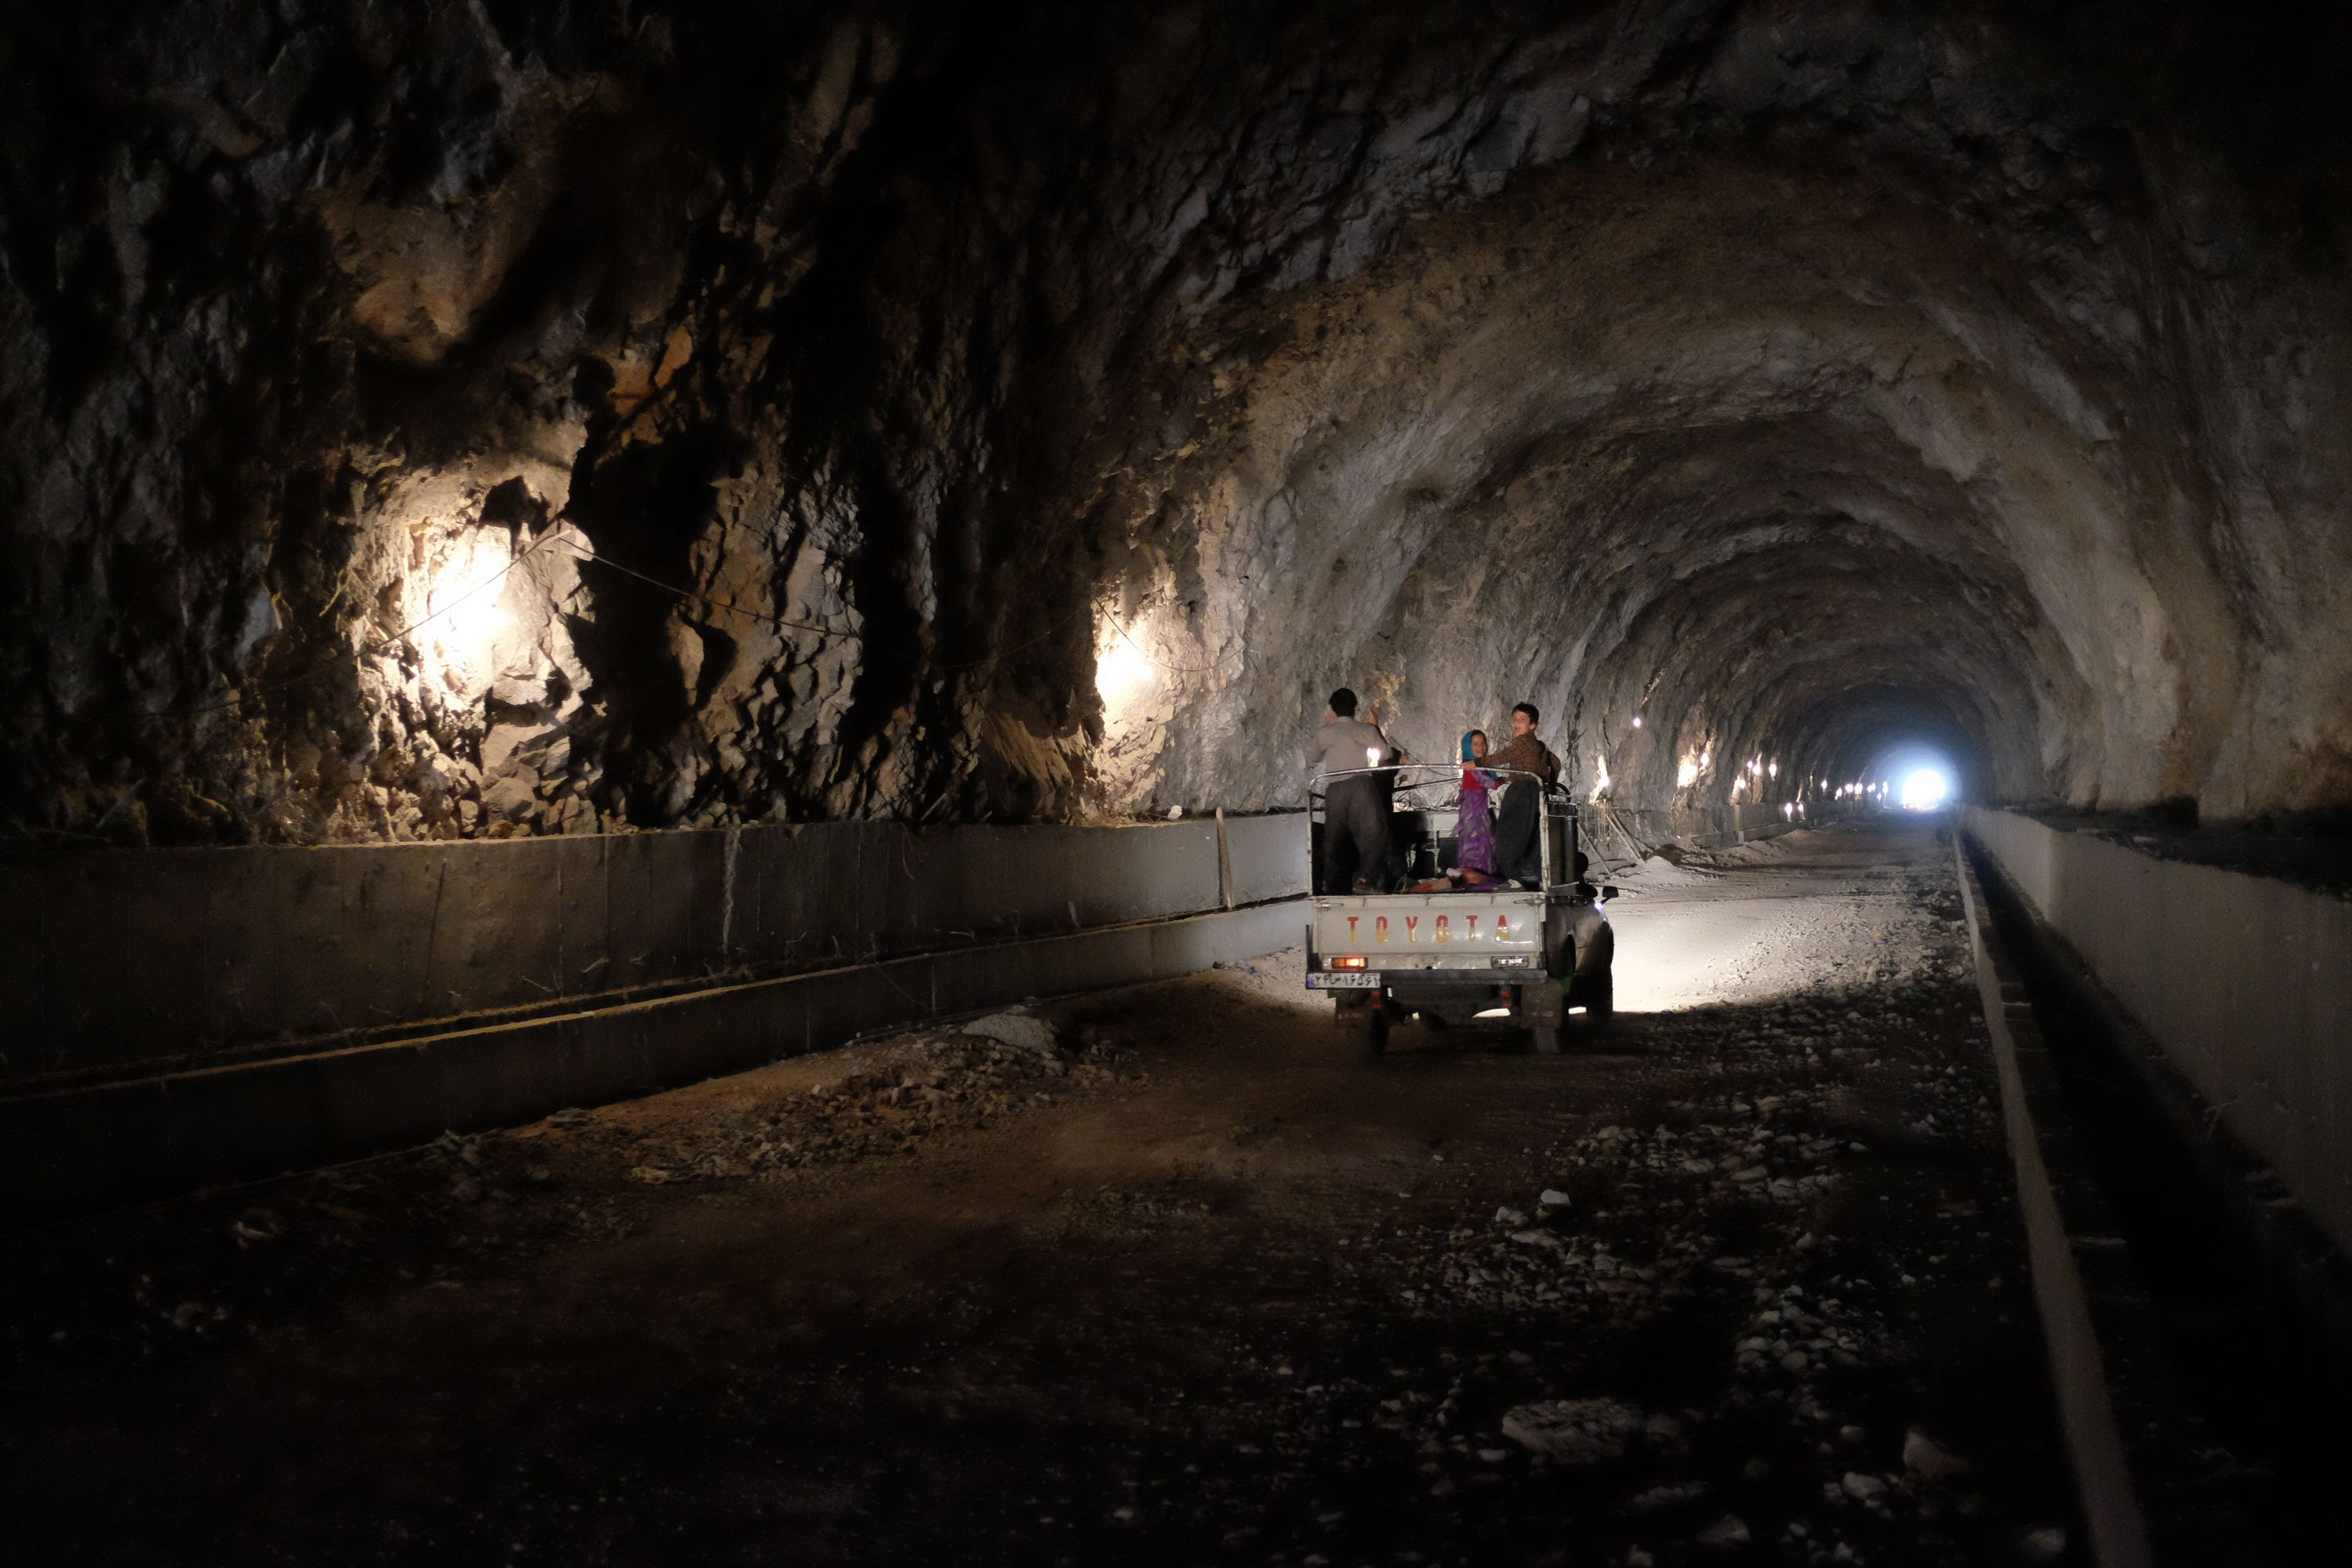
[[1194, 1282]]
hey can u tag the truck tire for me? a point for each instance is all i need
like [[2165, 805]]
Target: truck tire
[[1376, 1031], [1546, 1039], [1599, 998]]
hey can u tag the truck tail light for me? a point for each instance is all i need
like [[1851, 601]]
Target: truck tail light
[[1350, 960]]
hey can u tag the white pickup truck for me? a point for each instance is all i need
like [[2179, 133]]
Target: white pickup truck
[[1527, 954]]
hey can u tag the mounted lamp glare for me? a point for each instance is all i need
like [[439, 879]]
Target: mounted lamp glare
[[1121, 671], [465, 609]]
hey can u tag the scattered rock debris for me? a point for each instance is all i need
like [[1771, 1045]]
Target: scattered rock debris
[[890, 1098], [1574, 1431]]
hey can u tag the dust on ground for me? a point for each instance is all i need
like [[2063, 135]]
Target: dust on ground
[[1806, 909], [1169, 1274]]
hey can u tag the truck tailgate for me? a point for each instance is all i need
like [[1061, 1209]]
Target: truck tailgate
[[1430, 930]]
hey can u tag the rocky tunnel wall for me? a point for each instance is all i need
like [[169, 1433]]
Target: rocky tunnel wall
[[476, 420]]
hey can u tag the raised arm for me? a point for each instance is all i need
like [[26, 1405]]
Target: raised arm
[[1395, 752]]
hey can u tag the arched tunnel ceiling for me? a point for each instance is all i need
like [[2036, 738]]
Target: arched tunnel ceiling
[[480, 419]]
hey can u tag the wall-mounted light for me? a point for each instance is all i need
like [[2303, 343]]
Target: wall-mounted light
[[1121, 673], [465, 609]]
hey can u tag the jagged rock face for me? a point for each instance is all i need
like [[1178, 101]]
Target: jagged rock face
[[488, 418]]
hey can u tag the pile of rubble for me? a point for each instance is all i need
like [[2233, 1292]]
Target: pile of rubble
[[886, 1098]]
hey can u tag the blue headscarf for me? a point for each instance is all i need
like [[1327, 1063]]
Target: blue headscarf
[[1466, 743]]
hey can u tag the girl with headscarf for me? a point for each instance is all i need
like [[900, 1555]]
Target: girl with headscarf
[[1474, 829]]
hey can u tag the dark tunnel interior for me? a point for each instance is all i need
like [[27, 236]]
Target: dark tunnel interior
[[656, 897]]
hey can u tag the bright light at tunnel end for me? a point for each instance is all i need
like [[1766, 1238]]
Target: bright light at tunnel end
[[1925, 789]]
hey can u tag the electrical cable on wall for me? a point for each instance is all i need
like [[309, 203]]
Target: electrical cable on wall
[[324, 665], [1210, 668], [789, 623]]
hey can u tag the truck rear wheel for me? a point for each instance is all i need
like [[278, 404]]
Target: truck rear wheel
[[1376, 1030], [1546, 1039], [1600, 1001]]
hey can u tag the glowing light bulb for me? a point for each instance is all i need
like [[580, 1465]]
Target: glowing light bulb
[[465, 612], [1121, 673]]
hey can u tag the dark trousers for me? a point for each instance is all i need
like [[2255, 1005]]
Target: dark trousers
[[1356, 841], [1519, 826]]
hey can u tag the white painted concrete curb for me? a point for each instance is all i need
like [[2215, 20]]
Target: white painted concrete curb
[[2245, 981], [2119, 1536]]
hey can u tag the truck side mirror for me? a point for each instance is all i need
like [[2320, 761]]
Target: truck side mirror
[[1607, 891]]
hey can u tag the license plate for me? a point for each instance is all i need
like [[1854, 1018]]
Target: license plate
[[1342, 980]]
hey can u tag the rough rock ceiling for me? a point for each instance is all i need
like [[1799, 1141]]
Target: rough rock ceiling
[[490, 418]]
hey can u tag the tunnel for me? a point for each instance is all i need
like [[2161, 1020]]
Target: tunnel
[[659, 865]]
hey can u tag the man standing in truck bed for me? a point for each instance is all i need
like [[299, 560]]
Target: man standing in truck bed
[[1355, 806], [1519, 852]]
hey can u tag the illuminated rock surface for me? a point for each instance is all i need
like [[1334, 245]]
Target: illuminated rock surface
[[1797, 381]]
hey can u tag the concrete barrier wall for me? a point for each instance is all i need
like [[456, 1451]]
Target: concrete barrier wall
[[80, 1148], [2245, 983], [112, 960]]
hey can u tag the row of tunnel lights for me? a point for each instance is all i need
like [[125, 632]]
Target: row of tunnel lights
[[1922, 789], [1122, 668]]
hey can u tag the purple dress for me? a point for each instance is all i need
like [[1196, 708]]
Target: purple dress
[[1474, 829]]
